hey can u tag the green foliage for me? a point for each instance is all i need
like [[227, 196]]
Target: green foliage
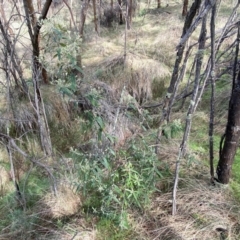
[[236, 167], [64, 137], [197, 148], [99, 73], [199, 220], [172, 129], [158, 87], [235, 189], [107, 229], [93, 121], [34, 187], [114, 182], [191, 159], [61, 54], [14, 218], [235, 183], [142, 12]]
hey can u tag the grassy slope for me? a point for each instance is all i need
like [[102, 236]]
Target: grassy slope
[[202, 208]]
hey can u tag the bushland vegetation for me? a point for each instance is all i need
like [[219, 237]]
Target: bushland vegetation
[[119, 120]]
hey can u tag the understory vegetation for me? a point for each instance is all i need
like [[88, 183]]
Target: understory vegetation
[[104, 179]]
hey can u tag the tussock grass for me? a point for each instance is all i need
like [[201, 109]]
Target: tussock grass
[[204, 212], [112, 85], [4, 170], [65, 204]]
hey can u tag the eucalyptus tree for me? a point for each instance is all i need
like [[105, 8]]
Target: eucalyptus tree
[[231, 137], [34, 25], [176, 76], [185, 8], [201, 77]]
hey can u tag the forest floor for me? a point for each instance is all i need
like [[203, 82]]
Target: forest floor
[[204, 211]]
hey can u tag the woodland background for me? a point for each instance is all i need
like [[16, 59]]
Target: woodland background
[[119, 120]]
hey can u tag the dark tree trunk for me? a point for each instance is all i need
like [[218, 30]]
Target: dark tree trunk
[[39, 5], [120, 14], [185, 8], [83, 14], [34, 32], [111, 4], [95, 15], [175, 75], [232, 137], [158, 3], [232, 134], [130, 11]]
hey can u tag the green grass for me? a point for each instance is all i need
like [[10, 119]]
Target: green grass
[[235, 182], [236, 167], [35, 186], [13, 217], [108, 230]]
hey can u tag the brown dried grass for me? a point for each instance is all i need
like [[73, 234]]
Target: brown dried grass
[[137, 74], [66, 203], [203, 212]]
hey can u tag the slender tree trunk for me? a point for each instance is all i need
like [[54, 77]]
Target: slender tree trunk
[[130, 11], [71, 14], [34, 30], [37, 73], [2, 12], [31, 12], [120, 12], [158, 3], [95, 15], [39, 5], [232, 134], [17, 4], [16, 70], [191, 109], [185, 8], [83, 15], [175, 76], [125, 36], [211, 119], [99, 13]]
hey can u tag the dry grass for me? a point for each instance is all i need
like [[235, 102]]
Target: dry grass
[[4, 175], [111, 107], [66, 203], [150, 54], [139, 75], [203, 212]]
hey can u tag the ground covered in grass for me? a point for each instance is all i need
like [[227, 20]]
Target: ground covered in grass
[[110, 183]]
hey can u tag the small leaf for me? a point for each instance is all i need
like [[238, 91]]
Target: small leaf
[[105, 163], [79, 69], [100, 122], [99, 134], [66, 91]]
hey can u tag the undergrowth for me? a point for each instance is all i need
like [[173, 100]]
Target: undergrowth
[[113, 183]]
